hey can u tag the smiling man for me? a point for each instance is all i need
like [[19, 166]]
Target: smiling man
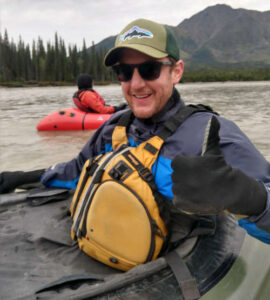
[[147, 97], [147, 62], [206, 166]]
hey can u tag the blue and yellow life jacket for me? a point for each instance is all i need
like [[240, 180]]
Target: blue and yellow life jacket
[[119, 216]]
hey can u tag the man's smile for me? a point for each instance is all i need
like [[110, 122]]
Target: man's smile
[[144, 96]]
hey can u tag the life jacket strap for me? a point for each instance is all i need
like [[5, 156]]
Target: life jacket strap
[[147, 176], [170, 126], [183, 276], [183, 113], [144, 172], [119, 136], [125, 118]]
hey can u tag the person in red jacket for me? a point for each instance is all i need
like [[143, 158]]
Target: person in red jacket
[[88, 100]]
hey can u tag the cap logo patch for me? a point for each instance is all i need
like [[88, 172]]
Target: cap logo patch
[[135, 31]]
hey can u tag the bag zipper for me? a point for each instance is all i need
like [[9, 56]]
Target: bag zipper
[[78, 213], [85, 178]]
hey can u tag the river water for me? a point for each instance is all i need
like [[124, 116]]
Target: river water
[[22, 147]]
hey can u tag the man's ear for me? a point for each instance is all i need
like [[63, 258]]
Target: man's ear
[[178, 71]]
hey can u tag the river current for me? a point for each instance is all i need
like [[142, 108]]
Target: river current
[[22, 147]]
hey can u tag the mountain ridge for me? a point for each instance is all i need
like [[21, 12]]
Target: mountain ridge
[[220, 36]]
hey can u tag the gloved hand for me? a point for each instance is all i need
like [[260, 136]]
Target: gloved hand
[[120, 107], [10, 180], [207, 185]]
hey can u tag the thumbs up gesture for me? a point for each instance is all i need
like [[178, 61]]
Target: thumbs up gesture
[[207, 185]]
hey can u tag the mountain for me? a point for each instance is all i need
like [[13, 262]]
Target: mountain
[[220, 36], [227, 36]]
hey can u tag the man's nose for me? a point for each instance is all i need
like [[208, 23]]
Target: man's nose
[[137, 81]]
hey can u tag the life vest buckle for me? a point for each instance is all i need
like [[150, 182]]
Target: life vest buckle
[[146, 174], [120, 171]]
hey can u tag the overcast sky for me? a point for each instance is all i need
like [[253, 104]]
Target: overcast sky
[[95, 20]]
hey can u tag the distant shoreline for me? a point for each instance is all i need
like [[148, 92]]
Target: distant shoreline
[[189, 78], [15, 84], [190, 75]]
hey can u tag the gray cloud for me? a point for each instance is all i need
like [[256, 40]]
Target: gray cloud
[[96, 20]]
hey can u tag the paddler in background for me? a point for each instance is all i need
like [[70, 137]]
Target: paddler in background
[[88, 100], [206, 167]]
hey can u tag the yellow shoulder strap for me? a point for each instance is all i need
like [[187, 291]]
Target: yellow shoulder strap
[[147, 152], [144, 150], [119, 136]]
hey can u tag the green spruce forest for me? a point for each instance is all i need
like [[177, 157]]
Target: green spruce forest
[[50, 63], [54, 63]]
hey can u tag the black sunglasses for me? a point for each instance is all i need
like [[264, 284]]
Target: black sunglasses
[[149, 70]]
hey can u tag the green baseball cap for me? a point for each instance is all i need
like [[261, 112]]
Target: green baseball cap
[[148, 37]]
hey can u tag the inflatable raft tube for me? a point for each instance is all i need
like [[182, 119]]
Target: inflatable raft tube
[[72, 119], [38, 259]]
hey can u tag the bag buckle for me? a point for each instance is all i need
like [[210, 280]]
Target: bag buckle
[[120, 171], [146, 174]]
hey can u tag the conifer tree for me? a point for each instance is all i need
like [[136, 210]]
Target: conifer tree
[[1, 57], [92, 67], [74, 62], [41, 57], [34, 62], [13, 61], [85, 59], [20, 60], [49, 63], [56, 66], [27, 63], [62, 61], [6, 70]]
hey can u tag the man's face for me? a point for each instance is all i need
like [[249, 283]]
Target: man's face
[[147, 97]]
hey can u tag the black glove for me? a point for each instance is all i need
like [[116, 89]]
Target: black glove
[[207, 185], [10, 180], [120, 107]]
